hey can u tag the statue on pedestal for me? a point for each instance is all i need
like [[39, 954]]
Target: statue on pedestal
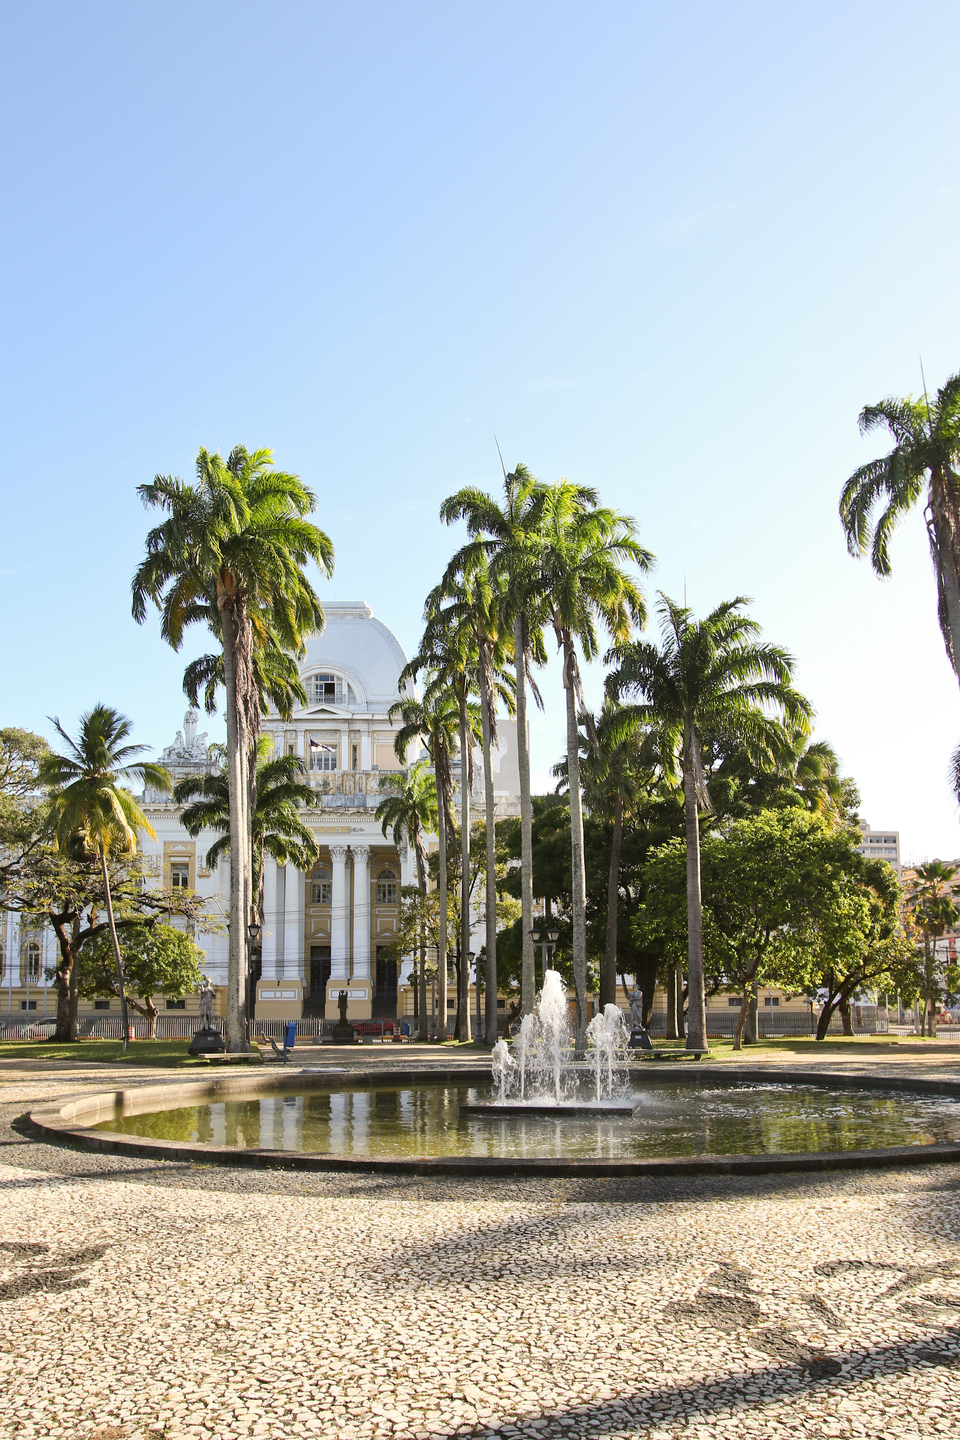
[[343, 1032], [207, 1040], [639, 1039]]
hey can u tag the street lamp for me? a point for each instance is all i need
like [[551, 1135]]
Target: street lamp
[[253, 935], [547, 941], [471, 956]]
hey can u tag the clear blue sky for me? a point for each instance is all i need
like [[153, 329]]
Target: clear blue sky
[[666, 250]]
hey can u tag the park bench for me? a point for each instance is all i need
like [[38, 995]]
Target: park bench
[[289, 1040], [640, 1040]]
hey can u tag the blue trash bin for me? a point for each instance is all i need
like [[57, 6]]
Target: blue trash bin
[[289, 1036]]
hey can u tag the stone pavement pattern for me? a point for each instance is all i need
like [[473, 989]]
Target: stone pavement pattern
[[146, 1299]]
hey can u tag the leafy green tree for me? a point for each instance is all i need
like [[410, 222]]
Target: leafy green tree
[[583, 550], [435, 722], [231, 554], [91, 808], [922, 465], [280, 796], [709, 676], [508, 537], [155, 960], [409, 813]]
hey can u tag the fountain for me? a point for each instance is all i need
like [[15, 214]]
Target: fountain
[[537, 1073]]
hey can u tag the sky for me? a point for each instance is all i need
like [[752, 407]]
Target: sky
[[668, 251]]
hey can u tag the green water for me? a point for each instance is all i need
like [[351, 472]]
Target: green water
[[672, 1120]]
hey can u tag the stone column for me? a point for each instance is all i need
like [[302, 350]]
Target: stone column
[[365, 755], [406, 963], [293, 924], [339, 950], [361, 911], [271, 940]]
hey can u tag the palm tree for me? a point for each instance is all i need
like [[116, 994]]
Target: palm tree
[[231, 554], [409, 812], [923, 463], [477, 605], [434, 721], [706, 676], [448, 651], [278, 830], [935, 910], [507, 535], [91, 805], [582, 550]]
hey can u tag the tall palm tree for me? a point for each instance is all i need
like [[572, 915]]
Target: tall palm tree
[[231, 554], [583, 548], [477, 603], [922, 464], [933, 901], [448, 651], [90, 803], [713, 676], [507, 534], [434, 721], [409, 813], [278, 830]]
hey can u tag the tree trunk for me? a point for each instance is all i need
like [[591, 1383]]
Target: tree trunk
[[846, 1019], [697, 1020], [64, 1031], [943, 529], [236, 790], [646, 981], [490, 984], [578, 877], [681, 1021], [748, 1011], [826, 1015], [608, 974], [442, 932], [528, 982], [463, 996], [423, 1030], [108, 899], [751, 1031]]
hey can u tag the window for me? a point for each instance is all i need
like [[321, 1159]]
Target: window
[[101, 1004], [30, 954], [355, 758], [28, 1004], [322, 756], [332, 689], [176, 1004], [321, 888], [771, 1000], [735, 1002], [386, 887], [179, 876]]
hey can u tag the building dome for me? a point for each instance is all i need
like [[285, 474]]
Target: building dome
[[357, 649]]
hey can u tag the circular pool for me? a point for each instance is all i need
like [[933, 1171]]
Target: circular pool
[[710, 1120]]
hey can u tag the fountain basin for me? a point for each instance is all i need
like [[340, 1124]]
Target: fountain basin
[[862, 1122]]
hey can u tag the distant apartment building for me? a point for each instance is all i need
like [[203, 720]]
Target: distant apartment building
[[880, 845]]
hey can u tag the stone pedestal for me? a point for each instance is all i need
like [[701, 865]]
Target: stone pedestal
[[206, 1042]]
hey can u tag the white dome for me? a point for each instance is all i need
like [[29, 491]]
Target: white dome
[[361, 649]]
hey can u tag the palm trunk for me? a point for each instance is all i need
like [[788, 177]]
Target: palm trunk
[[673, 1032], [943, 528], [421, 989], [236, 789], [442, 933], [608, 975], [490, 1014], [463, 996], [697, 1013], [578, 878], [528, 981], [111, 925]]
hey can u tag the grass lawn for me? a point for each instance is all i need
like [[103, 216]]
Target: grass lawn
[[802, 1045], [167, 1053]]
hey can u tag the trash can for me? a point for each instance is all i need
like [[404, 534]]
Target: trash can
[[130, 1035], [289, 1034]]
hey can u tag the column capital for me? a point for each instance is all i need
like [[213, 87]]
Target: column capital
[[361, 853], [338, 853]]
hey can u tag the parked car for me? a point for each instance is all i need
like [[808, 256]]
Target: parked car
[[376, 1027]]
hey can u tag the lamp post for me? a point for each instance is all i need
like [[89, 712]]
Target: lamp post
[[547, 942], [471, 957], [253, 935]]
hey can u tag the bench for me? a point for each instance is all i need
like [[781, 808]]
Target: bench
[[289, 1040], [673, 1054]]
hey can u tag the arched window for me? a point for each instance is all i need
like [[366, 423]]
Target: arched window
[[30, 955], [331, 688], [386, 887], [321, 887]]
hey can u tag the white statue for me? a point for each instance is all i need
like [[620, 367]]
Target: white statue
[[206, 1005], [636, 1010]]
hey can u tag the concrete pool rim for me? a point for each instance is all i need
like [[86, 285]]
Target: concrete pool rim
[[57, 1121]]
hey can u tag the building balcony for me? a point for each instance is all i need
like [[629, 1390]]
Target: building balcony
[[352, 789]]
